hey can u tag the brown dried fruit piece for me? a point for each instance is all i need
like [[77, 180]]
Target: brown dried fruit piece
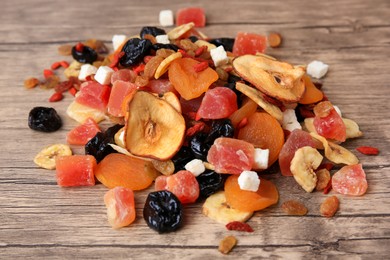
[[329, 207], [274, 39], [148, 130], [226, 244], [277, 79], [31, 83], [294, 207], [323, 178]]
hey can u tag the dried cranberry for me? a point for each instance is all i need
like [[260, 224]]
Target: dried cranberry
[[44, 119], [163, 211]]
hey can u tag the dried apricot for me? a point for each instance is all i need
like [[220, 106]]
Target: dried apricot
[[312, 94]]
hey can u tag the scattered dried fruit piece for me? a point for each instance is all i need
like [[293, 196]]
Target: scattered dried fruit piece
[[274, 39], [120, 206], [294, 207], [75, 170], [350, 180], [305, 161], [216, 208], [329, 207], [351, 127], [47, 157], [368, 150], [165, 167], [277, 79], [239, 226], [31, 83], [148, 129], [323, 178], [226, 245]]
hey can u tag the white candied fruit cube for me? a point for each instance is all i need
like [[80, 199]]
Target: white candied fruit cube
[[290, 121], [86, 70], [260, 158], [162, 39], [219, 56], [249, 180], [196, 167], [166, 17], [117, 40], [103, 75], [317, 69]]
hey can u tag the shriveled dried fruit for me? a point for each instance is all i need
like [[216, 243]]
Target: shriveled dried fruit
[[165, 167], [368, 150], [44, 119], [226, 244], [305, 161], [47, 157], [274, 39], [294, 207], [323, 178], [31, 83], [239, 226], [329, 207]]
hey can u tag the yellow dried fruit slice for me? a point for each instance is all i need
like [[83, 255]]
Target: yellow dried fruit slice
[[257, 97], [179, 31], [306, 159], [335, 152], [47, 157], [277, 79], [164, 65], [201, 43], [149, 130]]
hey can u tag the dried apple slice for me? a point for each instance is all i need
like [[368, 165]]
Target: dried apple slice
[[277, 79], [153, 129]]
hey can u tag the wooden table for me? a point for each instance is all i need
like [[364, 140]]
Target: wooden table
[[41, 220]]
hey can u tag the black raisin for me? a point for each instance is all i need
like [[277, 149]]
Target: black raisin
[[44, 119], [220, 128], [152, 31], [134, 51], [99, 146], [199, 147], [227, 43], [87, 55], [163, 211], [182, 157], [170, 46], [209, 183]]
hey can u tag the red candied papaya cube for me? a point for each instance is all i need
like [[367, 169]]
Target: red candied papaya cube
[[249, 43], [191, 14], [75, 170]]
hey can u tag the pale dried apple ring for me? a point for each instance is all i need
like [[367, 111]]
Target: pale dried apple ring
[[306, 159], [335, 152], [277, 79], [179, 31], [257, 97], [352, 128], [164, 65]]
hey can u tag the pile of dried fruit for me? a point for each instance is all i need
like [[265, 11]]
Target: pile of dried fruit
[[200, 118]]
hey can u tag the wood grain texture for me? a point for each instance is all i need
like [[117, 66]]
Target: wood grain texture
[[40, 220]]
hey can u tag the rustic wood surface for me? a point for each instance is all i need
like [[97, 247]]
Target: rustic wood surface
[[40, 220]]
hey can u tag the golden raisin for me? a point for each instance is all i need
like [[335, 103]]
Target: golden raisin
[[31, 83], [274, 40], [329, 207], [323, 178], [226, 245], [294, 207]]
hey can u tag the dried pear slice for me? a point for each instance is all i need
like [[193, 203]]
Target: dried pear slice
[[335, 152], [352, 128], [153, 129], [172, 99], [277, 79], [257, 97], [306, 159]]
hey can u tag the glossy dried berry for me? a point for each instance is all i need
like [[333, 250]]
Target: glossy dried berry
[[163, 211], [239, 226], [84, 54], [182, 157], [209, 183], [199, 147], [220, 128], [44, 119], [227, 43], [134, 51], [152, 31]]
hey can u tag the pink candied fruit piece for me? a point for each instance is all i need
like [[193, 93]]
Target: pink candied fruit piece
[[331, 126], [219, 102], [120, 206], [75, 170], [350, 180], [249, 43], [191, 14], [124, 75], [94, 95], [81, 134], [229, 155], [120, 89]]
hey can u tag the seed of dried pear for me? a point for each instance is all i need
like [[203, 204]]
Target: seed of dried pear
[[47, 157], [306, 159]]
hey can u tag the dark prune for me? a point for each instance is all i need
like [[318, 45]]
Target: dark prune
[[99, 146], [111, 131], [233, 78], [152, 31], [134, 51], [158, 46], [163, 211], [209, 183], [227, 43], [199, 147], [44, 119], [193, 38], [182, 157], [87, 55], [220, 128]]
